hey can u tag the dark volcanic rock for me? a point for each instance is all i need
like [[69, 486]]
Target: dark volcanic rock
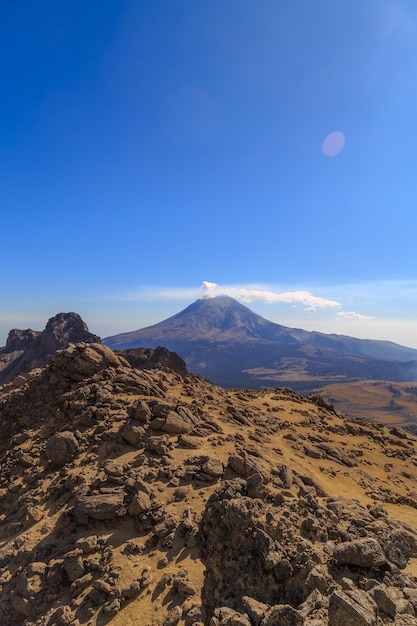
[[266, 560], [160, 358], [361, 552], [19, 340], [99, 507], [61, 448], [34, 349]]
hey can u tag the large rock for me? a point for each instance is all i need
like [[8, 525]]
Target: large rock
[[141, 502], [344, 611], [133, 432], [398, 550], [100, 507], [160, 359], [283, 615], [360, 552], [61, 448], [385, 600], [19, 340], [173, 424]]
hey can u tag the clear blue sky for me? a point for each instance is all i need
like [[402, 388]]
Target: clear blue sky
[[148, 146]]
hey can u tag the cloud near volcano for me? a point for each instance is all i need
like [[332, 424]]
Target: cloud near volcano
[[248, 294]]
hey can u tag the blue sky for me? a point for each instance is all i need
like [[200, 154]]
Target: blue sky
[[268, 148]]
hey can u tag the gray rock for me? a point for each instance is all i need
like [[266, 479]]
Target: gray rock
[[212, 467], [140, 412], [385, 599], [140, 503], [397, 550], [283, 615], [175, 424], [344, 611], [157, 444], [256, 610], [133, 432], [100, 507], [173, 617], [74, 566], [61, 448], [361, 553], [243, 465], [254, 485]]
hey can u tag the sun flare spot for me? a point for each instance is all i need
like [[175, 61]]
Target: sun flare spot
[[333, 144]]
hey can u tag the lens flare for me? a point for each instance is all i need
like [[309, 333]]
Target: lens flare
[[333, 144]]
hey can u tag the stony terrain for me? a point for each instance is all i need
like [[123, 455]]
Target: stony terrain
[[155, 498]]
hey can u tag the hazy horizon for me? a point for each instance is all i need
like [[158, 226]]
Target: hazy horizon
[[312, 313]]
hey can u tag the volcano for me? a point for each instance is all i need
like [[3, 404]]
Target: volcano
[[231, 345]]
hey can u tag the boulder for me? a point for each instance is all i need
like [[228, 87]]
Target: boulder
[[175, 424], [133, 432], [361, 553], [386, 600], [397, 550], [61, 448], [140, 411], [283, 615], [141, 502], [344, 611], [100, 507]]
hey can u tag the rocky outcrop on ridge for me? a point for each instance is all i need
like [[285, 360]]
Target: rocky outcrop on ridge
[[159, 358], [17, 342], [28, 349], [132, 496]]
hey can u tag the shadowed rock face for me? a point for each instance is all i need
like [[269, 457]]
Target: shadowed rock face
[[20, 340], [28, 349], [160, 358]]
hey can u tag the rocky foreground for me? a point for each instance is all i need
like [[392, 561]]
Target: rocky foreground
[[155, 498]]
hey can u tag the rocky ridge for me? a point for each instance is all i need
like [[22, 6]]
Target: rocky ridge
[[28, 349], [159, 358], [132, 494]]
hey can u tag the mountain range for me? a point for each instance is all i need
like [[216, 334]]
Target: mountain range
[[231, 345]]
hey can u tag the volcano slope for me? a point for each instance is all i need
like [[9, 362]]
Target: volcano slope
[[154, 498]]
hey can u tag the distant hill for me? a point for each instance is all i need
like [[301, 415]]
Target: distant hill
[[231, 345]]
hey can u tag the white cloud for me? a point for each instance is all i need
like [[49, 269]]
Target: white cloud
[[252, 294], [209, 288], [311, 302], [352, 315]]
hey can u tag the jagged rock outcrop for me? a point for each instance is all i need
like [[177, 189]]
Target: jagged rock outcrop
[[19, 340], [28, 349], [159, 358], [131, 494]]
